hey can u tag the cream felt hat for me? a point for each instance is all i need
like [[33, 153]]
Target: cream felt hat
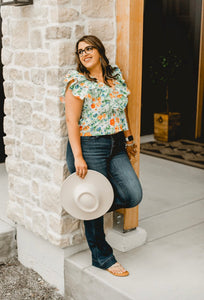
[[87, 198]]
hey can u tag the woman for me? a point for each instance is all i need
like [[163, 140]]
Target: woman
[[99, 138]]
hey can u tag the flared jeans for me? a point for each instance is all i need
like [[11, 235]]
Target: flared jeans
[[107, 155]]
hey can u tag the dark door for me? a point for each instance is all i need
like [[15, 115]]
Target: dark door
[[171, 25], [2, 151]]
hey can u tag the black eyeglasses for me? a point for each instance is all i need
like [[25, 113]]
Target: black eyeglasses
[[87, 50]]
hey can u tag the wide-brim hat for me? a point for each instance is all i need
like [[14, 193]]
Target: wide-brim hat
[[87, 198]]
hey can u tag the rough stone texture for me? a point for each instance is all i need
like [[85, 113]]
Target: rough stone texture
[[38, 49]]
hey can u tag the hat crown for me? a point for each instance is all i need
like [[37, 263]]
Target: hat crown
[[86, 197]]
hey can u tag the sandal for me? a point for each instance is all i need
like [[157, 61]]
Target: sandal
[[117, 273]]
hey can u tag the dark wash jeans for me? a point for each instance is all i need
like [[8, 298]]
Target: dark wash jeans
[[107, 155]]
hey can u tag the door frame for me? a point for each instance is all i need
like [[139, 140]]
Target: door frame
[[129, 58]]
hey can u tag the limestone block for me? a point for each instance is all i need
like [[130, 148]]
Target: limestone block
[[15, 212], [6, 56], [52, 76], [50, 198], [26, 170], [36, 39], [59, 127], [19, 40], [63, 54], [76, 237], [25, 59], [40, 121], [43, 59], [5, 73], [102, 29], [25, 91], [13, 165], [5, 11], [40, 93], [54, 92], [110, 52], [63, 225], [22, 112], [65, 14], [9, 140], [63, 1], [56, 147], [21, 187], [44, 161], [6, 42], [38, 76], [97, 8], [8, 125], [8, 89], [40, 223], [14, 74], [41, 173], [79, 31], [56, 32], [33, 137], [5, 25], [9, 150], [27, 76], [54, 108], [8, 105], [60, 172], [35, 188], [28, 153], [38, 106]]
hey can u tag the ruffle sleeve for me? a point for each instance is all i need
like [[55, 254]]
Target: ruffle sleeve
[[78, 85]]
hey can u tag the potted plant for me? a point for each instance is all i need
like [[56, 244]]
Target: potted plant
[[163, 70]]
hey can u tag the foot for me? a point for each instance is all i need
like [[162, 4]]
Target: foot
[[117, 270]]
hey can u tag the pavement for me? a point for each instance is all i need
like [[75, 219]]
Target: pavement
[[170, 265]]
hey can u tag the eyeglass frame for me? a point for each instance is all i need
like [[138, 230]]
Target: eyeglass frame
[[84, 50]]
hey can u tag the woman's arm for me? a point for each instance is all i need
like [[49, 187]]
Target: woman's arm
[[73, 108], [131, 147]]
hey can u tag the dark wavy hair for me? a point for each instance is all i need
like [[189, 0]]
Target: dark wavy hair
[[106, 67]]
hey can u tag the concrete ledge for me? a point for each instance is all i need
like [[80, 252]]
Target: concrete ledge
[[126, 241], [43, 257], [7, 242]]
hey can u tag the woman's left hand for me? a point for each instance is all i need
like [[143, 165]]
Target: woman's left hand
[[131, 149]]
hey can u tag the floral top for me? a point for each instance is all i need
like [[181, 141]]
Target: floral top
[[103, 108]]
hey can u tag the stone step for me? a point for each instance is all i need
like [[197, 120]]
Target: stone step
[[7, 241], [165, 231]]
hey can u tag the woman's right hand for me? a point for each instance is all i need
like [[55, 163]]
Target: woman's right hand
[[81, 167]]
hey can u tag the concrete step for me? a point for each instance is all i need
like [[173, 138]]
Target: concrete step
[[7, 241], [166, 232]]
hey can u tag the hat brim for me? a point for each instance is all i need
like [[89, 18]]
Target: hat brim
[[104, 189]]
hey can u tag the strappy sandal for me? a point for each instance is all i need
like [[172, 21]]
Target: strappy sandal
[[118, 274]]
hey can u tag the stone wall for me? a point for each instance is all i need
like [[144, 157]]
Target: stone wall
[[38, 46]]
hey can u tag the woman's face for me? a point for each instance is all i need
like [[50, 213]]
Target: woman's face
[[90, 60]]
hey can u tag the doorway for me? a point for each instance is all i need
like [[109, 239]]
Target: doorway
[[171, 25]]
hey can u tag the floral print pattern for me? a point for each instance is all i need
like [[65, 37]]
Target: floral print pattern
[[103, 108]]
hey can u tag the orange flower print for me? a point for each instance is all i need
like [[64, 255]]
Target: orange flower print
[[117, 120], [80, 127], [112, 122], [87, 134], [116, 128], [86, 127], [82, 83], [93, 105], [100, 117], [104, 115], [121, 127], [89, 96], [119, 96]]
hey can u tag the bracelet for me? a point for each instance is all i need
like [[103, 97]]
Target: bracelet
[[127, 145]]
